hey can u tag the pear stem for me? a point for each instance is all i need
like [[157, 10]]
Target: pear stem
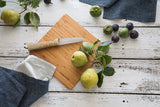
[[25, 7], [23, 11]]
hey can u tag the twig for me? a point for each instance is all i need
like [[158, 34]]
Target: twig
[[23, 11]]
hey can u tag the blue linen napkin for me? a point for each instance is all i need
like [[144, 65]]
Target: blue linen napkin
[[137, 10], [18, 89], [102, 3]]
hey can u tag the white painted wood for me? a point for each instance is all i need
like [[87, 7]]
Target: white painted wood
[[136, 75], [132, 76], [96, 100], [10, 63], [147, 45], [49, 15], [12, 39]]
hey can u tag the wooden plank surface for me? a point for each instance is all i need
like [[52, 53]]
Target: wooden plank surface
[[49, 15], [146, 46], [137, 79], [97, 100], [132, 76]]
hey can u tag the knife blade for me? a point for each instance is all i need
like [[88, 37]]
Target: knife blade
[[59, 41]]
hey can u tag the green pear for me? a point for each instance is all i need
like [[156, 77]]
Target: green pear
[[79, 59], [89, 78], [10, 16]]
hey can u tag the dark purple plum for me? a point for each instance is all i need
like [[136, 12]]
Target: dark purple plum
[[134, 34], [130, 26], [115, 27], [47, 2], [115, 38]]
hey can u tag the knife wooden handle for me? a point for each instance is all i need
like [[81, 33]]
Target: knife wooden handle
[[41, 45]]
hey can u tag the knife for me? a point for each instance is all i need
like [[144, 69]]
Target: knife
[[59, 41]]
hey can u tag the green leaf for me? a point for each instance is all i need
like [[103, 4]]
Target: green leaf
[[32, 3], [104, 62], [2, 3], [100, 79], [17, 24], [106, 43], [26, 18], [34, 18], [108, 59], [99, 55], [80, 49], [88, 48], [106, 49], [104, 46], [87, 53], [108, 71], [21, 0], [94, 45]]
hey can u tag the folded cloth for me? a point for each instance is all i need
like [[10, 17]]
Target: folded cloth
[[102, 3], [137, 10], [36, 67], [19, 90]]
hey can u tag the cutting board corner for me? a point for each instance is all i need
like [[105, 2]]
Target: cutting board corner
[[60, 56]]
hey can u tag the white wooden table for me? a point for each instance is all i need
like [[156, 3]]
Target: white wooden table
[[137, 62]]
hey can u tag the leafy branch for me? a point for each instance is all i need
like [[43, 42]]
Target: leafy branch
[[30, 17], [2, 3], [101, 58]]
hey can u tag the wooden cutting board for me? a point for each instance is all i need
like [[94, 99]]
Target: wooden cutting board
[[60, 56]]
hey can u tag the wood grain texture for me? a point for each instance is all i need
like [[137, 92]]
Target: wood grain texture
[[137, 79], [132, 76], [97, 100], [60, 56], [79, 11], [146, 46]]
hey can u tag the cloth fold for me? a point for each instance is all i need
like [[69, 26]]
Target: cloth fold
[[137, 10], [102, 3], [36, 67], [19, 90]]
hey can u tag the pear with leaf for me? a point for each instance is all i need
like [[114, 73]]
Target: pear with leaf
[[90, 77], [10, 17]]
